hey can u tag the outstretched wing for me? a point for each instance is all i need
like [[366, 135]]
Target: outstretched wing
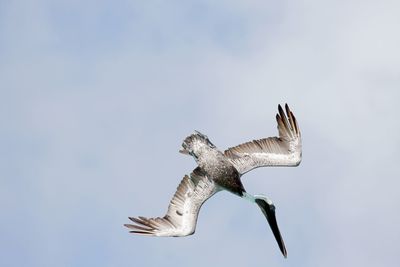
[[183, 209], [284, 150]]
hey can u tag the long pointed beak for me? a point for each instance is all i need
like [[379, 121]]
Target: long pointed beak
[[269, 213]]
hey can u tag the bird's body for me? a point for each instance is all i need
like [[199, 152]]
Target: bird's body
[[218, 171], [215, 165]]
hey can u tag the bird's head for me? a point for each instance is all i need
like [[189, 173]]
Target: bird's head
[[263, 198], [195, 144]]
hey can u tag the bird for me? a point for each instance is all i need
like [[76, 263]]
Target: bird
[[217, 171]]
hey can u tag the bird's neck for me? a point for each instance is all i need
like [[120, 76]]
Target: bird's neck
[[249, 197]]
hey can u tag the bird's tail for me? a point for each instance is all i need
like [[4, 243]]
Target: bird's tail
[[187, 143]]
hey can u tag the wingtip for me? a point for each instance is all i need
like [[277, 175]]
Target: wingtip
[[281, 112], [280, 108], [133, 219], [287, 109]]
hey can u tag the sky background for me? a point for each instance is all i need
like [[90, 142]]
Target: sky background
[[97, 96]]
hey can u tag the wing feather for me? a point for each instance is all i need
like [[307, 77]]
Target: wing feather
[[183, 209], [283, 150]]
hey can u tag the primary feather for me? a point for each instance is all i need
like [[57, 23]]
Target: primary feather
[[183, 209], [283, 150]]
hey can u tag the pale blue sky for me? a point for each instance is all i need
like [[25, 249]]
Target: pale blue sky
[[97, 96]]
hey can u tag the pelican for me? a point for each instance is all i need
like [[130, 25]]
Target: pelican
[[217, 171]]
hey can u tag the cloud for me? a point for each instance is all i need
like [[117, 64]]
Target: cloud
[[97, 96]]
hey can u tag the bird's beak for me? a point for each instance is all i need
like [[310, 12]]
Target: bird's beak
[[269, 213]]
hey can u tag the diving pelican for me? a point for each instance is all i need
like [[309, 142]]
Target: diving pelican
[[218, 171]]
